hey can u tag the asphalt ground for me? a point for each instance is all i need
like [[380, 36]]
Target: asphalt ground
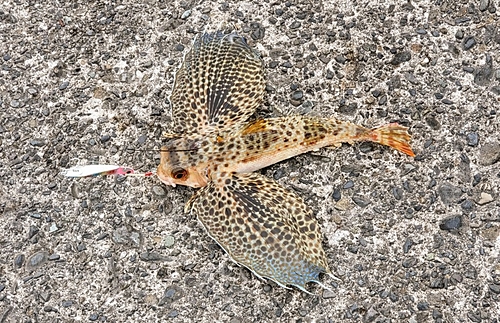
[[412, 239]]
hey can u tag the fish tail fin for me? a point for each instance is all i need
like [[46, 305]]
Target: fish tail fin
[[392, 135]]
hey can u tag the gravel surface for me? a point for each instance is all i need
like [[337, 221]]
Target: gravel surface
[[413, 239]]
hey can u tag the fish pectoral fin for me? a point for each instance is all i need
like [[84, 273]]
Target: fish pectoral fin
[[263, 227]]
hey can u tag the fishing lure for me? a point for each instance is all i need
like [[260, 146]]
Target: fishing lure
[[99, 170]]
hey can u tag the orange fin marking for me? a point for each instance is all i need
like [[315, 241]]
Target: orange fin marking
[[393, 135], [257, 126]]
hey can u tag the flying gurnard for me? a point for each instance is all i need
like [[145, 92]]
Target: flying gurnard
[[215, 147]]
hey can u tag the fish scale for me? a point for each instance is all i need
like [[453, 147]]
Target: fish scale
[[260, 224]]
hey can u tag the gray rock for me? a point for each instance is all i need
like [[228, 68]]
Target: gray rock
[[489, 153], [452, 223], [361, 201], [449, 193], [63, 85], [186, 14], [484, 4], [472, 139], [401, 58], [469, 42], [36, 260]]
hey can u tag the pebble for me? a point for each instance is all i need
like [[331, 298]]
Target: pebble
[[489, 153], [348, 184], [329, 294], [472, 139], [159, 190], [168, 241], [361, 201], [336, 195], [451, 224], [63, 85], [484, 4], [14, 103], [485, 198], [186, 14], [105, 138], [449, 193], [469, 42], [37, 142], [37, 259], [19, 260], [297, 95], [401, 58], [407, 245], [495, 288], [54, 257]]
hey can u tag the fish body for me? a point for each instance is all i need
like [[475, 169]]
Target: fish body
[[264, 142], [214, 147]]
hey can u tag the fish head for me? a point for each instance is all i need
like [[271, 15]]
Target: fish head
[[180, 168]]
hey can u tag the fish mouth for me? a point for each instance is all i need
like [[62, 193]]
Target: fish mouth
[[167, 180]]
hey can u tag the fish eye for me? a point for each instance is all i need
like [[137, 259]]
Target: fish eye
[[179, 173]]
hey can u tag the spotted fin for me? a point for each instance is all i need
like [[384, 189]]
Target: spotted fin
[[219, 85], [263, 227]]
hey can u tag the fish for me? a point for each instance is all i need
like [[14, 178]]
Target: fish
[[218, 148]]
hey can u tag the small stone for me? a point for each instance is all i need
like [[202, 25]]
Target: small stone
[[37, 259], [186, 14], [54, 257], [150, 256], [447, 101], [37, 142], [361, 201], [63, 85], [93, 317], [469, 42], [449, 194], [340, 59], [472, 139], [451, 224], [7, 57], [297, 95], [495, 288], [179, 47], [348, 184], [422, 306], [67, 304], [459, 34], [336, 195], [53, 228], [407, 245], [485, 198], [14, 103], [52, 185], [168, 241], [19, 260], [489, 154], [484, 4], [2, 287], [105, 138], [329, 294], [401, 58], [159, 190]]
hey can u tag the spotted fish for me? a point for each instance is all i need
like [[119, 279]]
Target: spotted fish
[[214, 147]]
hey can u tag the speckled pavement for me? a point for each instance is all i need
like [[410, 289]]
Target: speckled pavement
[[412, 239]]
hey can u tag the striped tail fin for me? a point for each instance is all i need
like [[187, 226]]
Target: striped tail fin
[[392, 135]]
